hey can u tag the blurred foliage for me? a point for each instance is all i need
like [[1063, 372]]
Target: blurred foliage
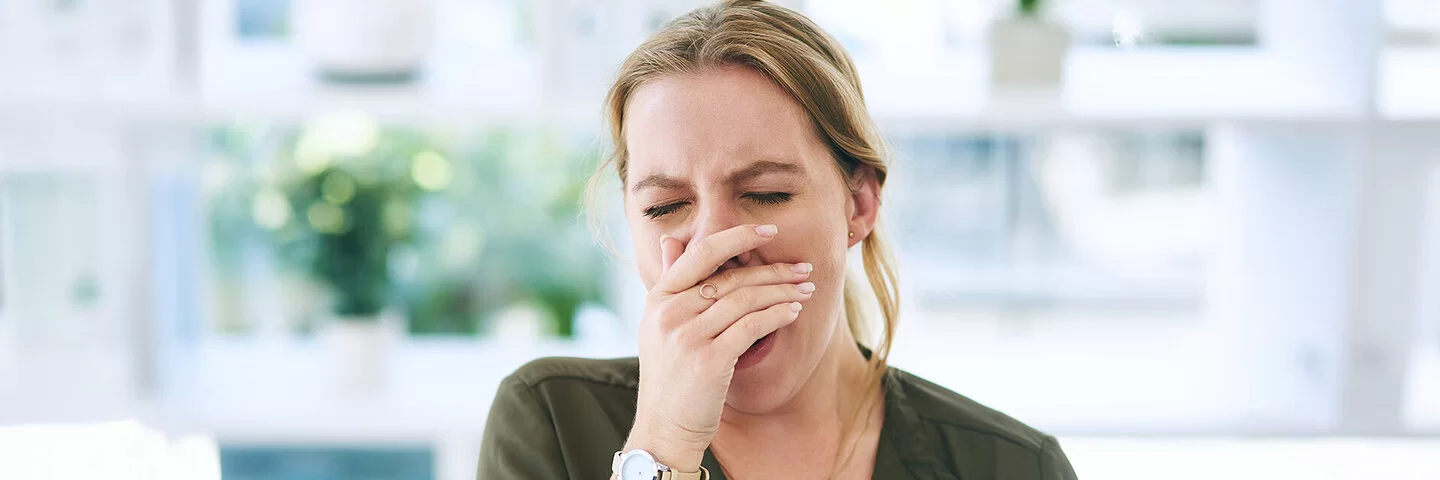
[[451, 227], [1030, 8]]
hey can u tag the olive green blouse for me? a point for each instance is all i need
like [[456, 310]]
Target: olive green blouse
[[564, 418]]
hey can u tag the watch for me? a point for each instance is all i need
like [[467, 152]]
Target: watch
[[641, 465]]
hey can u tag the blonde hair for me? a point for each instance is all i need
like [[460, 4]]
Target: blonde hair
[[814, 69]]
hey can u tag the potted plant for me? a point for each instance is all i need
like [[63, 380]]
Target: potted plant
[[367, 41], [1027, 51], [349, 212]]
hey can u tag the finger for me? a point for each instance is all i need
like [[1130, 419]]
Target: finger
[[731, 308], [751, 327], [707, 254], [734, 279], [670, 250]]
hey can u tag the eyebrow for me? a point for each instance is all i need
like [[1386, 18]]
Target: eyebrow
[[753, 170]]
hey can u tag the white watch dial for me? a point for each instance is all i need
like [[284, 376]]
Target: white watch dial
[[638, 467]]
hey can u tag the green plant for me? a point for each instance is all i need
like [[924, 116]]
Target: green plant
[[538, 250], [346, 241], [450, 227], [346, 212], [1030, 8]]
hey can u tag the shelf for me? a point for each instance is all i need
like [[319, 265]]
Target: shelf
[[257, 391], [1104, 87], [1108, 87], [276, 82], [252, 391]]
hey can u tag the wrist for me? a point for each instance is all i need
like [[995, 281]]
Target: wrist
[[679, 454]]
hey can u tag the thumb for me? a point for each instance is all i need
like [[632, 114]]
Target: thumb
[[670, 250]]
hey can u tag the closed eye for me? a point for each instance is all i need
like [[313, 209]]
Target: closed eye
[[769, 198], [662, 210], [763, 198]]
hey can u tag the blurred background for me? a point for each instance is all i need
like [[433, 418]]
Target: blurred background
[[305, 239]]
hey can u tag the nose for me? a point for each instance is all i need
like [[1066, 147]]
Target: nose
[[714, 216]]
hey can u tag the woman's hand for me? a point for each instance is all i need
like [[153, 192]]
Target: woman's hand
[[689, 344]]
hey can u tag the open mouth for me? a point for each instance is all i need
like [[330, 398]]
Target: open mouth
[[757, 352]]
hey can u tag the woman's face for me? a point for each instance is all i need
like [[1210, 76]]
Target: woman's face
[[736, 149]]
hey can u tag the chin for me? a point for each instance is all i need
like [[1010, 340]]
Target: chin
[[764, 384], [754, 395]]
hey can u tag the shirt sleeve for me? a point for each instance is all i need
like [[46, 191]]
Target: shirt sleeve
[[520, 442], [1053, 463]]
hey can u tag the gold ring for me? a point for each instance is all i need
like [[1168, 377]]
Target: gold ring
[[713, 291]]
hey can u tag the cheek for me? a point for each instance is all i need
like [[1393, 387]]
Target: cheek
[[812, 238], [647, 252]]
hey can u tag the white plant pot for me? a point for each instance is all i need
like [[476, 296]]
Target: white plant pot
[[357, 352], [364, 40], [1027, 54]]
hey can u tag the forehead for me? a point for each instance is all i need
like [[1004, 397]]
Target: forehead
[[713, 121]]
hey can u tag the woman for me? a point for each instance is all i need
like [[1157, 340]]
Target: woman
[[750, 169]]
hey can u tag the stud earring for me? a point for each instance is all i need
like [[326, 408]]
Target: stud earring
[[852, 234]]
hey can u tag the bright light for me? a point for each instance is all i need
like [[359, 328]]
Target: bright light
[[462, 245], [325, 217], [338, 188], [346, 133], [430, 170], [270, 210], [216, 175], [397, 218]]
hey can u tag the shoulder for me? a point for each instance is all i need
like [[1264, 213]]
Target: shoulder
[[559, 418], [944, 410], [965, 439], [550, 371]]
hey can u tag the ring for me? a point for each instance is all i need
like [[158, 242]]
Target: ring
[[713, 291]]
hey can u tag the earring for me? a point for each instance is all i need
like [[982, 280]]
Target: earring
[[852, 234]]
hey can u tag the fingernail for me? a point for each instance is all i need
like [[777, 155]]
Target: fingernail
[[795, 307], [806, 287], [767, 230], [664, 236], [802, 268]]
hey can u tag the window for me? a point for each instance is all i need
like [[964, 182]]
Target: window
[[1058, 221], [1063, 257]]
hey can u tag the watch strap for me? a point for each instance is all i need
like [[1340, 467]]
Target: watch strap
[[671, 474]]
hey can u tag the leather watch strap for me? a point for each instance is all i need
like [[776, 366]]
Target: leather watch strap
[[703, 474]]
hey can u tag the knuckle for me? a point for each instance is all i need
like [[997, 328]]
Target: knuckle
[[743, 296], [667, 314], [731, 278], [685, 336]]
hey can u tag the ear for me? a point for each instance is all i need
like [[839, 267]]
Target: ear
[[864, 203]]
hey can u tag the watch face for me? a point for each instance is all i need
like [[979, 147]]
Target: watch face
[[637, 467]]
